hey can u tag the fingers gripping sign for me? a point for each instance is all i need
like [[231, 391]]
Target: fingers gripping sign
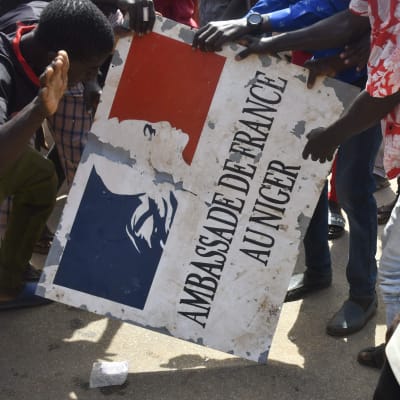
[[317, 68], [53, 83], [256, 45], [141, 13], [319, 147], [208, 40], [215, 34]]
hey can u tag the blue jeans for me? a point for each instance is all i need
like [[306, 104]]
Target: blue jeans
[[389, 270], [355, 186], [316, 247]]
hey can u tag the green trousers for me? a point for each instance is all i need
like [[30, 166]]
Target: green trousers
[[32, 182]]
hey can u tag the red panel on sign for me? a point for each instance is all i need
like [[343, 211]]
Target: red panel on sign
[[165, 80]]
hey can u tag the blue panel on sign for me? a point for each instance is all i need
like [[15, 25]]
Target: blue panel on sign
[[116, 243]]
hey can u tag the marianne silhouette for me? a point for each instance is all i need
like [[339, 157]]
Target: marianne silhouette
[[116, 243]]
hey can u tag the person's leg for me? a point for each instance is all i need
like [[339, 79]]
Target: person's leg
[[355, 187], [378, 166], [385, 210], [33, 183], [5, 211], [381, 181], [316, 247], [318, 274], [389, 282], [389, 265]]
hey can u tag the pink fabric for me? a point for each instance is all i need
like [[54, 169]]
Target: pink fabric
[[384, 69], [182, 11]]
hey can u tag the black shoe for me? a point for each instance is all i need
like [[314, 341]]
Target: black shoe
[[373, 357], [300, 286], [351, 317]]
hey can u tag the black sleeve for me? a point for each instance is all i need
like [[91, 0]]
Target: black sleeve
[[6, 90], [26, 13]]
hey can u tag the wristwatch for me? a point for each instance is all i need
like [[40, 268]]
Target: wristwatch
[[254, 21]]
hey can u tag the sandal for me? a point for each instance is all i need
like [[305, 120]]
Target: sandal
[[373, 357], [336, 222]]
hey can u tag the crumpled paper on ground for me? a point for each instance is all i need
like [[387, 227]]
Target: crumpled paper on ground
[[108, 374]]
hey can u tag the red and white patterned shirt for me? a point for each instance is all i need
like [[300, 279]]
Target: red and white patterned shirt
[[384, 68]]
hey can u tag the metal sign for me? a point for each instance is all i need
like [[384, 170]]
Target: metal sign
[[190, 202]]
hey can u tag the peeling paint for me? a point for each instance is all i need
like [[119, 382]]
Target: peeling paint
[[116, 59], [164, 177], [251, 82], [345, 94], [299, 129], [266, 60], [258, 157], [117, 154], [162, 329], [301, 78], [263, 357], [168, 24], [40, 291], [236, 157], [186, 35], [302, 224], [55, 253]]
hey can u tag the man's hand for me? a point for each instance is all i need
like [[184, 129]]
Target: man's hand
[[212, 36], [257, 45], [356, 54], [141, 13], [328, 66], [320, 145], [53, 83]]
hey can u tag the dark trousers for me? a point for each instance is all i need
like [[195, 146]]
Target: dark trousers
[[388, 388], [32, 182]]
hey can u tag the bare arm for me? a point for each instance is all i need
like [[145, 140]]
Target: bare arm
[[335, 31], [16, 133], [365, 112]]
